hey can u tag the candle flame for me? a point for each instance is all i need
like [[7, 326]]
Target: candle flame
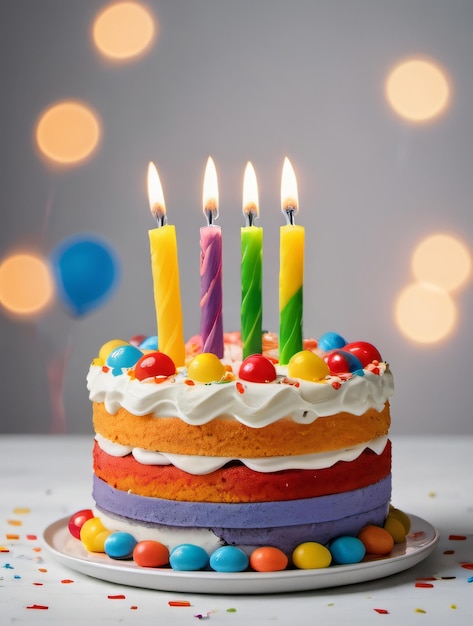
[[250, 194], [289, 196], [210, 194], [156, 195]]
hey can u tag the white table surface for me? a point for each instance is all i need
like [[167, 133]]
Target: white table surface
[[44, 478]]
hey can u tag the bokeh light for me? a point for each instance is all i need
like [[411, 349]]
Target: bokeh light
[[418, 90], [425, 313], [68, 132], [26, 284], [442, 260], [124, 31]]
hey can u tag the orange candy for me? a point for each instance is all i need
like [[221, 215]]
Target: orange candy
[[268, 559], [149, 553], [376, 540]]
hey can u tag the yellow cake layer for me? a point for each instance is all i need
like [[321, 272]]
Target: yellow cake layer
[[229, 438]]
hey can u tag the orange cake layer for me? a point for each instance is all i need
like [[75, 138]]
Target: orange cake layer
[[237, 483], [229, 438]]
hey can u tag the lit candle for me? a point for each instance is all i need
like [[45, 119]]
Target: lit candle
[[291, 272], [211, 323], [165, 269], [251, 312]]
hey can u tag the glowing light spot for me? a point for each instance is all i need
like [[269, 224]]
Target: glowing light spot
[[425, 313], [442, 260], [68, 132], [417, 90], [26, 284], [123, 30]]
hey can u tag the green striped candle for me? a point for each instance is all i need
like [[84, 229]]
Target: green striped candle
[[251, 311]]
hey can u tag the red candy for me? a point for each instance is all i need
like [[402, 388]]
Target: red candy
[[342, 362], [78, 520], [257, 369], [137, 339], [149, 553], [365, 351], [154, 364]]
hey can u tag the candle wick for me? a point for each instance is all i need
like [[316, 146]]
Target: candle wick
[[211, 215], [159, 212], [250, 218], [290, 212], [250, 211]]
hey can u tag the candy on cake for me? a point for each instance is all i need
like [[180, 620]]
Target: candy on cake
[[238, 452]]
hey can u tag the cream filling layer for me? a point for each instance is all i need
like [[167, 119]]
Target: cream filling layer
[[199, 465]]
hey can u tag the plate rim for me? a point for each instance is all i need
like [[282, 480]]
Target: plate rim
[[285, 581]]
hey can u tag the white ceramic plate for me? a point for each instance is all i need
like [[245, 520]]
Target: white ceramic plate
[[71, 553]]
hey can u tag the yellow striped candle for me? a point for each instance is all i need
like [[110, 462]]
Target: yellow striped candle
[[165, 270], [251, 311], [291, 271]]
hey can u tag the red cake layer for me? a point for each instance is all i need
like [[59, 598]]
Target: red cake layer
[[236, 483]]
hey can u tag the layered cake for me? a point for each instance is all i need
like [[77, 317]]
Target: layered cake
[[246, 453]]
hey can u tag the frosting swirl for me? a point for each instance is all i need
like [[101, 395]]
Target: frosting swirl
[[253, 404]]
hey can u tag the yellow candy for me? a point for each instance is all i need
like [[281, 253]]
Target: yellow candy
[[107, 348], [401, 516], [395, 529], [311, 555], [308, 366], [93, 534], [206, 368]]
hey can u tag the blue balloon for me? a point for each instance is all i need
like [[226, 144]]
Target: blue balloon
[[86, 271]]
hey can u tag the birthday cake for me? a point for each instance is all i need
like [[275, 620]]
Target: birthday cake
[[241, 451]]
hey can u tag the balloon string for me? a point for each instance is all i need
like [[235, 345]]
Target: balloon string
[[47, 213], [56, 375]]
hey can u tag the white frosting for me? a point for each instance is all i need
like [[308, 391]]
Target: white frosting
[[171, 537], [259, 405], [205, 464]]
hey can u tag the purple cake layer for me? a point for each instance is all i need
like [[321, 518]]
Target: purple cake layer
[[286, 538], [261, 515]]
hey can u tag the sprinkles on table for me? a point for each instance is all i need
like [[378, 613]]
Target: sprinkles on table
[[10, 553]]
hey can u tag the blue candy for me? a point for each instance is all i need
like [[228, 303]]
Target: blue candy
[[229, 559], [187, 557], [346, 550], [120, 545], [150, 343], [123, 356], [331, 341]]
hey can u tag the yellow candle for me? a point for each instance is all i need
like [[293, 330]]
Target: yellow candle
[[165, 270], [291, 271]]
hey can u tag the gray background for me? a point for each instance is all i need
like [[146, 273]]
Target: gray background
[[248, 80]]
